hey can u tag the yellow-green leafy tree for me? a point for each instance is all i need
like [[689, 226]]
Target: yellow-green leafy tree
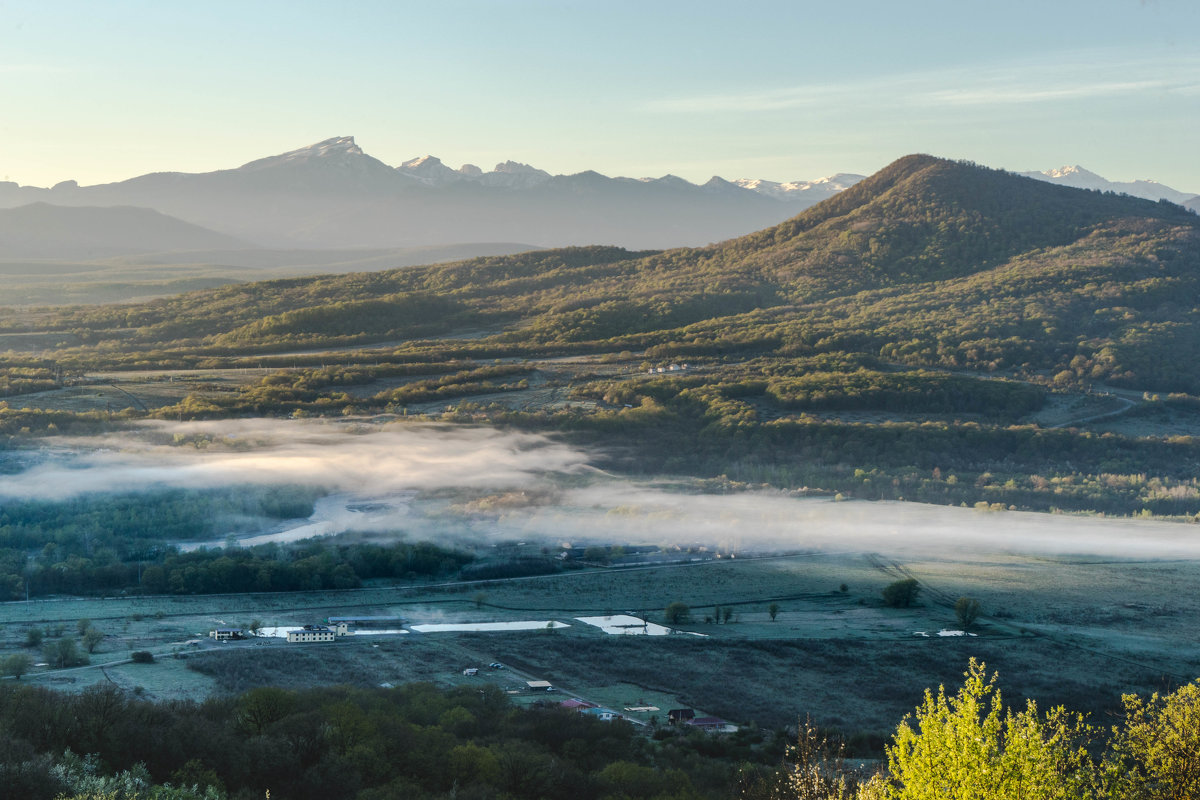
[[1156, 753], [969, 747]]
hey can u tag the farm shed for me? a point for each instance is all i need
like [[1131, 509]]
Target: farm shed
[[712, 725], [539, 686], [368, 622]]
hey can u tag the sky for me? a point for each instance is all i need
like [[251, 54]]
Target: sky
[[795, 90]]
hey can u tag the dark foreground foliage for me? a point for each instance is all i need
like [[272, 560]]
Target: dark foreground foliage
[[421, 742], [413, 742]]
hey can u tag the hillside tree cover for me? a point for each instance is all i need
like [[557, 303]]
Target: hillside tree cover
[[419, 741]]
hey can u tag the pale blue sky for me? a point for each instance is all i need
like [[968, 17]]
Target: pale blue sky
[[779, 90]]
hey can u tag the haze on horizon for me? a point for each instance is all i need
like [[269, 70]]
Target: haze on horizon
[[774, 90]]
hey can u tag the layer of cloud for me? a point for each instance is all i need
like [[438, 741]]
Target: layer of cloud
[[1061, 78], [336, 457]]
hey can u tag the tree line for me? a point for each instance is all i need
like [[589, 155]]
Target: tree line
[[423, 742], [312, 564]]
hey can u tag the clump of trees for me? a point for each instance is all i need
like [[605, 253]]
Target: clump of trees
[[902, 593], [62, 653]]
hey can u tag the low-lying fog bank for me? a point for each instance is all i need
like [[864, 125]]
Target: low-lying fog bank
[[478, 484]]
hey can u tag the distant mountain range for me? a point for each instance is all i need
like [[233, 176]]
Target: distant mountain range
[[333, 195], [1079, 178], [929, 263], [43, 231]]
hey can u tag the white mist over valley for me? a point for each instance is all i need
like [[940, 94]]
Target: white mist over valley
[[479, 486]]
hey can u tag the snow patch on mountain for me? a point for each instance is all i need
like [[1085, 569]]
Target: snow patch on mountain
[[329, 148], [430, 171], [340, 152], [801, 190], [1080, 178]]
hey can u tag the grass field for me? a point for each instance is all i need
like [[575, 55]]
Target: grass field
[[1061, 630]]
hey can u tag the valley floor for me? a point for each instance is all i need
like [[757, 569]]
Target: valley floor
[[1078, 631]]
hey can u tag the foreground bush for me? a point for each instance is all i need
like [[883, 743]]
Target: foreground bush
[[969, 746]]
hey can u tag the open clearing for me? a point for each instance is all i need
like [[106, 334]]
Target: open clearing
[[1072, 630]]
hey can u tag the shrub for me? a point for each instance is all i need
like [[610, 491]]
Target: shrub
[[142, 657], [901, 594], [677, 612]]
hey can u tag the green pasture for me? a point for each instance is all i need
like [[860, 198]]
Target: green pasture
[[1062, 630]]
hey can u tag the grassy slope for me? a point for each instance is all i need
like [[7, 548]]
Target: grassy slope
[[928, 263]]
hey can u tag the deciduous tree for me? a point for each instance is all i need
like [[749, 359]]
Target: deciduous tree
[[967, 610], [902, 593], [677, 613]]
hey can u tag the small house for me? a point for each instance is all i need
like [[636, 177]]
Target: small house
[[227, 634], [679, 715], [602, 714]]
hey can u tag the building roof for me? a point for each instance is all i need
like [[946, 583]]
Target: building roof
[[574, 703], [705, 721]]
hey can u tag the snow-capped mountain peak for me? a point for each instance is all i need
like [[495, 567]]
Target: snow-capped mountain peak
[[338, 145], [340, 150], [329, 148], [429, 170], [1080, 178], [1070, 172], [423, 162], [801, 190]]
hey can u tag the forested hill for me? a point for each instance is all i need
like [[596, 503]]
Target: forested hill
[[923, 219], [929, 262]]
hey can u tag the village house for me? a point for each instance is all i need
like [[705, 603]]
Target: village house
[[677, 715], [316, 633]]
